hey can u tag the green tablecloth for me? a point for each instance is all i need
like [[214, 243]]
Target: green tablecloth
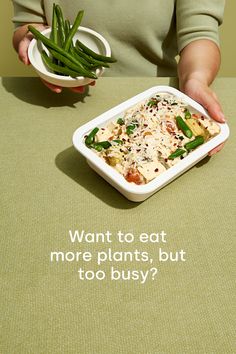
[[47, 189]]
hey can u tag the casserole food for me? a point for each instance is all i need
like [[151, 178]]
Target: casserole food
[[144, 143]]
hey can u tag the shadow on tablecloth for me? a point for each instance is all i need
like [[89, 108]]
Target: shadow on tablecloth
[[74, 165], [31, 90]]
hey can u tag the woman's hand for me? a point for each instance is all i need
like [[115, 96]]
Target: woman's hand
[[198, 66], [21, 42], [58, 89], [201, 93]]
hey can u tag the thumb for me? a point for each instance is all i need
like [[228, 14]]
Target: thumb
[[25, 42], [23, 50]]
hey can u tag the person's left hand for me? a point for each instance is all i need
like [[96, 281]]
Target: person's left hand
[[58, 89], [201, 93]]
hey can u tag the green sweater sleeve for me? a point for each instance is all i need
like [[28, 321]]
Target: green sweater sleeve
[[198, 19], [28, 11]]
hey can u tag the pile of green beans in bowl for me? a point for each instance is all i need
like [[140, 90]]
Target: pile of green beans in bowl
[[65, 57]]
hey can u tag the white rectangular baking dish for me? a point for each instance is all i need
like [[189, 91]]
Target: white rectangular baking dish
[[132, 191]]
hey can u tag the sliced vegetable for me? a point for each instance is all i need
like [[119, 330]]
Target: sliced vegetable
[[183, 127], [152, 103], [197, 129], [187, 114], [100, 145], [120, 121], [177, 153], [130, 129], [112, 160], [90, 138], [118, 141], [194, 143]]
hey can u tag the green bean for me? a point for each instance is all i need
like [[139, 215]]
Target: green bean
[[120, 121], [89, 58], [90, 138], [194, 143], [183, 127], [96, 146], [54, 33], [54, 36], [80, 59], [100, 145], [95, 55], [104, 144], [177, 153], [61, 24], [67, 28], [187, 114], [48, 43], [57, 68], [79, 68], [73, 30], [118, 141]]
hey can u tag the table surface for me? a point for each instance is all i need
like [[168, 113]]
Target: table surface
[[47, 189]]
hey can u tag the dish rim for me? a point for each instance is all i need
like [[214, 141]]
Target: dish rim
[[166, 176]]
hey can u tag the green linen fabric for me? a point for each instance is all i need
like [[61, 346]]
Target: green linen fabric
[[47, 189], [145, 38]]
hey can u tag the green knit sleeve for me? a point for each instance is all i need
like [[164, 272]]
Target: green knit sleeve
[[28, 11], [198, 19]]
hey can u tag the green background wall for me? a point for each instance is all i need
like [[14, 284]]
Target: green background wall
[[10, 65]]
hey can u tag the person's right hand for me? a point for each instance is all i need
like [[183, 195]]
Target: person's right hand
[[24, 42], [21, 41]]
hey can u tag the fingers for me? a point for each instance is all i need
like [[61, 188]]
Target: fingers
[[24, 43], [58, 89], [216, 149], [79, 89], [209, 100], [201, 93], [53, 88], [23, 50]]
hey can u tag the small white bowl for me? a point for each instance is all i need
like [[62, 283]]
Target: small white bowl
[[90, 38], [133, 191]]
